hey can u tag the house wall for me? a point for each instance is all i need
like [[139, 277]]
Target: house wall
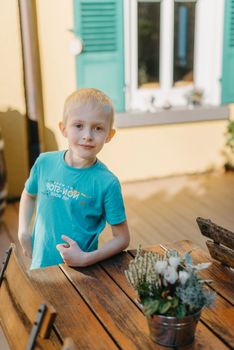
[[134, 153], [12, 102], [158, 151]]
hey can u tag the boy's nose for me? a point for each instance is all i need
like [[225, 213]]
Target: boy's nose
[[87, 135]]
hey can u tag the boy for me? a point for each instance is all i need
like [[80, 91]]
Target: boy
[[76, 193]]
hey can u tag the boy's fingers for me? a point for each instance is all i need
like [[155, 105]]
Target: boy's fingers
[[68, 239], [60, 247]]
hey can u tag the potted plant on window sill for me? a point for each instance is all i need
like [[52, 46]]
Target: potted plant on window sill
[[194, 97], [171, 294], [229, 150]]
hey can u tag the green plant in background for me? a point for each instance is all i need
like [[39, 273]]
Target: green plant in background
[[168, 285], [229, 151]]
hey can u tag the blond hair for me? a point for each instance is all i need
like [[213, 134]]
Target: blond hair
[[91, 97]]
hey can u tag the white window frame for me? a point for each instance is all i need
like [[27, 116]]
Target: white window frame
[[207, 57]]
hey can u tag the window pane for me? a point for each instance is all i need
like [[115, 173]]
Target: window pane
[[148, 44], [184, 26]]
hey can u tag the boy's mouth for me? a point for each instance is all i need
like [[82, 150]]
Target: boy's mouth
[[87, 146]]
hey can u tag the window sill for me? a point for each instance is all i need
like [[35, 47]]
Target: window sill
[[173, 116]]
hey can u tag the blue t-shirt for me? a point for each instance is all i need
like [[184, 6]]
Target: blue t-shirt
[[76, 202]]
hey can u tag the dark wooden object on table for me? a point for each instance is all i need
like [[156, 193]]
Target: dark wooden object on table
[[221, 245], [26, 318]]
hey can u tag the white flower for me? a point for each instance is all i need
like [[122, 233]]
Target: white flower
[[202, 266], [174, 261], [170, 275], [160, 266], [183, 276]]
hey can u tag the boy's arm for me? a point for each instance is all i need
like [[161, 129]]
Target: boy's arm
[[74, 256], [26, 209]]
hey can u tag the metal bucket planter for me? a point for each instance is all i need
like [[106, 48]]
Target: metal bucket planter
[[3, 180], [171, 331]]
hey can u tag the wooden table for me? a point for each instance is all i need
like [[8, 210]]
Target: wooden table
[[96, 305]]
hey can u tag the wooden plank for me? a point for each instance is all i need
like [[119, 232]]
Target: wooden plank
[[219, 190], [221, 253], [74, 318], [16, 339], [11, 226], [141, 230], [3, 340], [115, 268], [122, 319], [69, 344], [11, 222], [221, 276], [167, 219], [189, 206], [150, 214], [4, 242], [52, 343], [205, 207], [221, 317], [18, 336], [170, 211], [30, 300], [217, 233], [181, 200]]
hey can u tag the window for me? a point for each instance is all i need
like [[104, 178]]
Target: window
[[172, 48], [184, 29], [161, 55], [148, 44]]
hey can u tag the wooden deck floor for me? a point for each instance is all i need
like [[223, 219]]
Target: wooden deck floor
[[161, 210], [166, 209], [158, 211]]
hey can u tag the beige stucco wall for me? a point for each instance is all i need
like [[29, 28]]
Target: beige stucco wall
[[55, 19], [231, 107], [137, 153], [11, 77], [157, 151], [12, 103]]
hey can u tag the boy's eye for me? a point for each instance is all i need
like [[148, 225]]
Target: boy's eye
[[78, 126], [98, 128]]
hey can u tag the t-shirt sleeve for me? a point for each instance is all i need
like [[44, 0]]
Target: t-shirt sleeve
[[31, 185], [114, 205]]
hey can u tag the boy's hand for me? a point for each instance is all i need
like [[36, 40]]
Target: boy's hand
[[71, 253]]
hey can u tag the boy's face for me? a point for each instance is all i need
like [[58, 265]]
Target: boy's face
[[87, 130]]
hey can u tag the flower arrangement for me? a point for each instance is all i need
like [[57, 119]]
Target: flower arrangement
[[168, 285]]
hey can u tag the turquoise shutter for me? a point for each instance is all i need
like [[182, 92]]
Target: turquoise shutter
[[228, 54], [99, 24]]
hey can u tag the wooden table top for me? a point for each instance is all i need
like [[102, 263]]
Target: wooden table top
[[96, 306]]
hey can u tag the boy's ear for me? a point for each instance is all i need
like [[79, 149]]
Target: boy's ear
[[111, 134], [63, 129]]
